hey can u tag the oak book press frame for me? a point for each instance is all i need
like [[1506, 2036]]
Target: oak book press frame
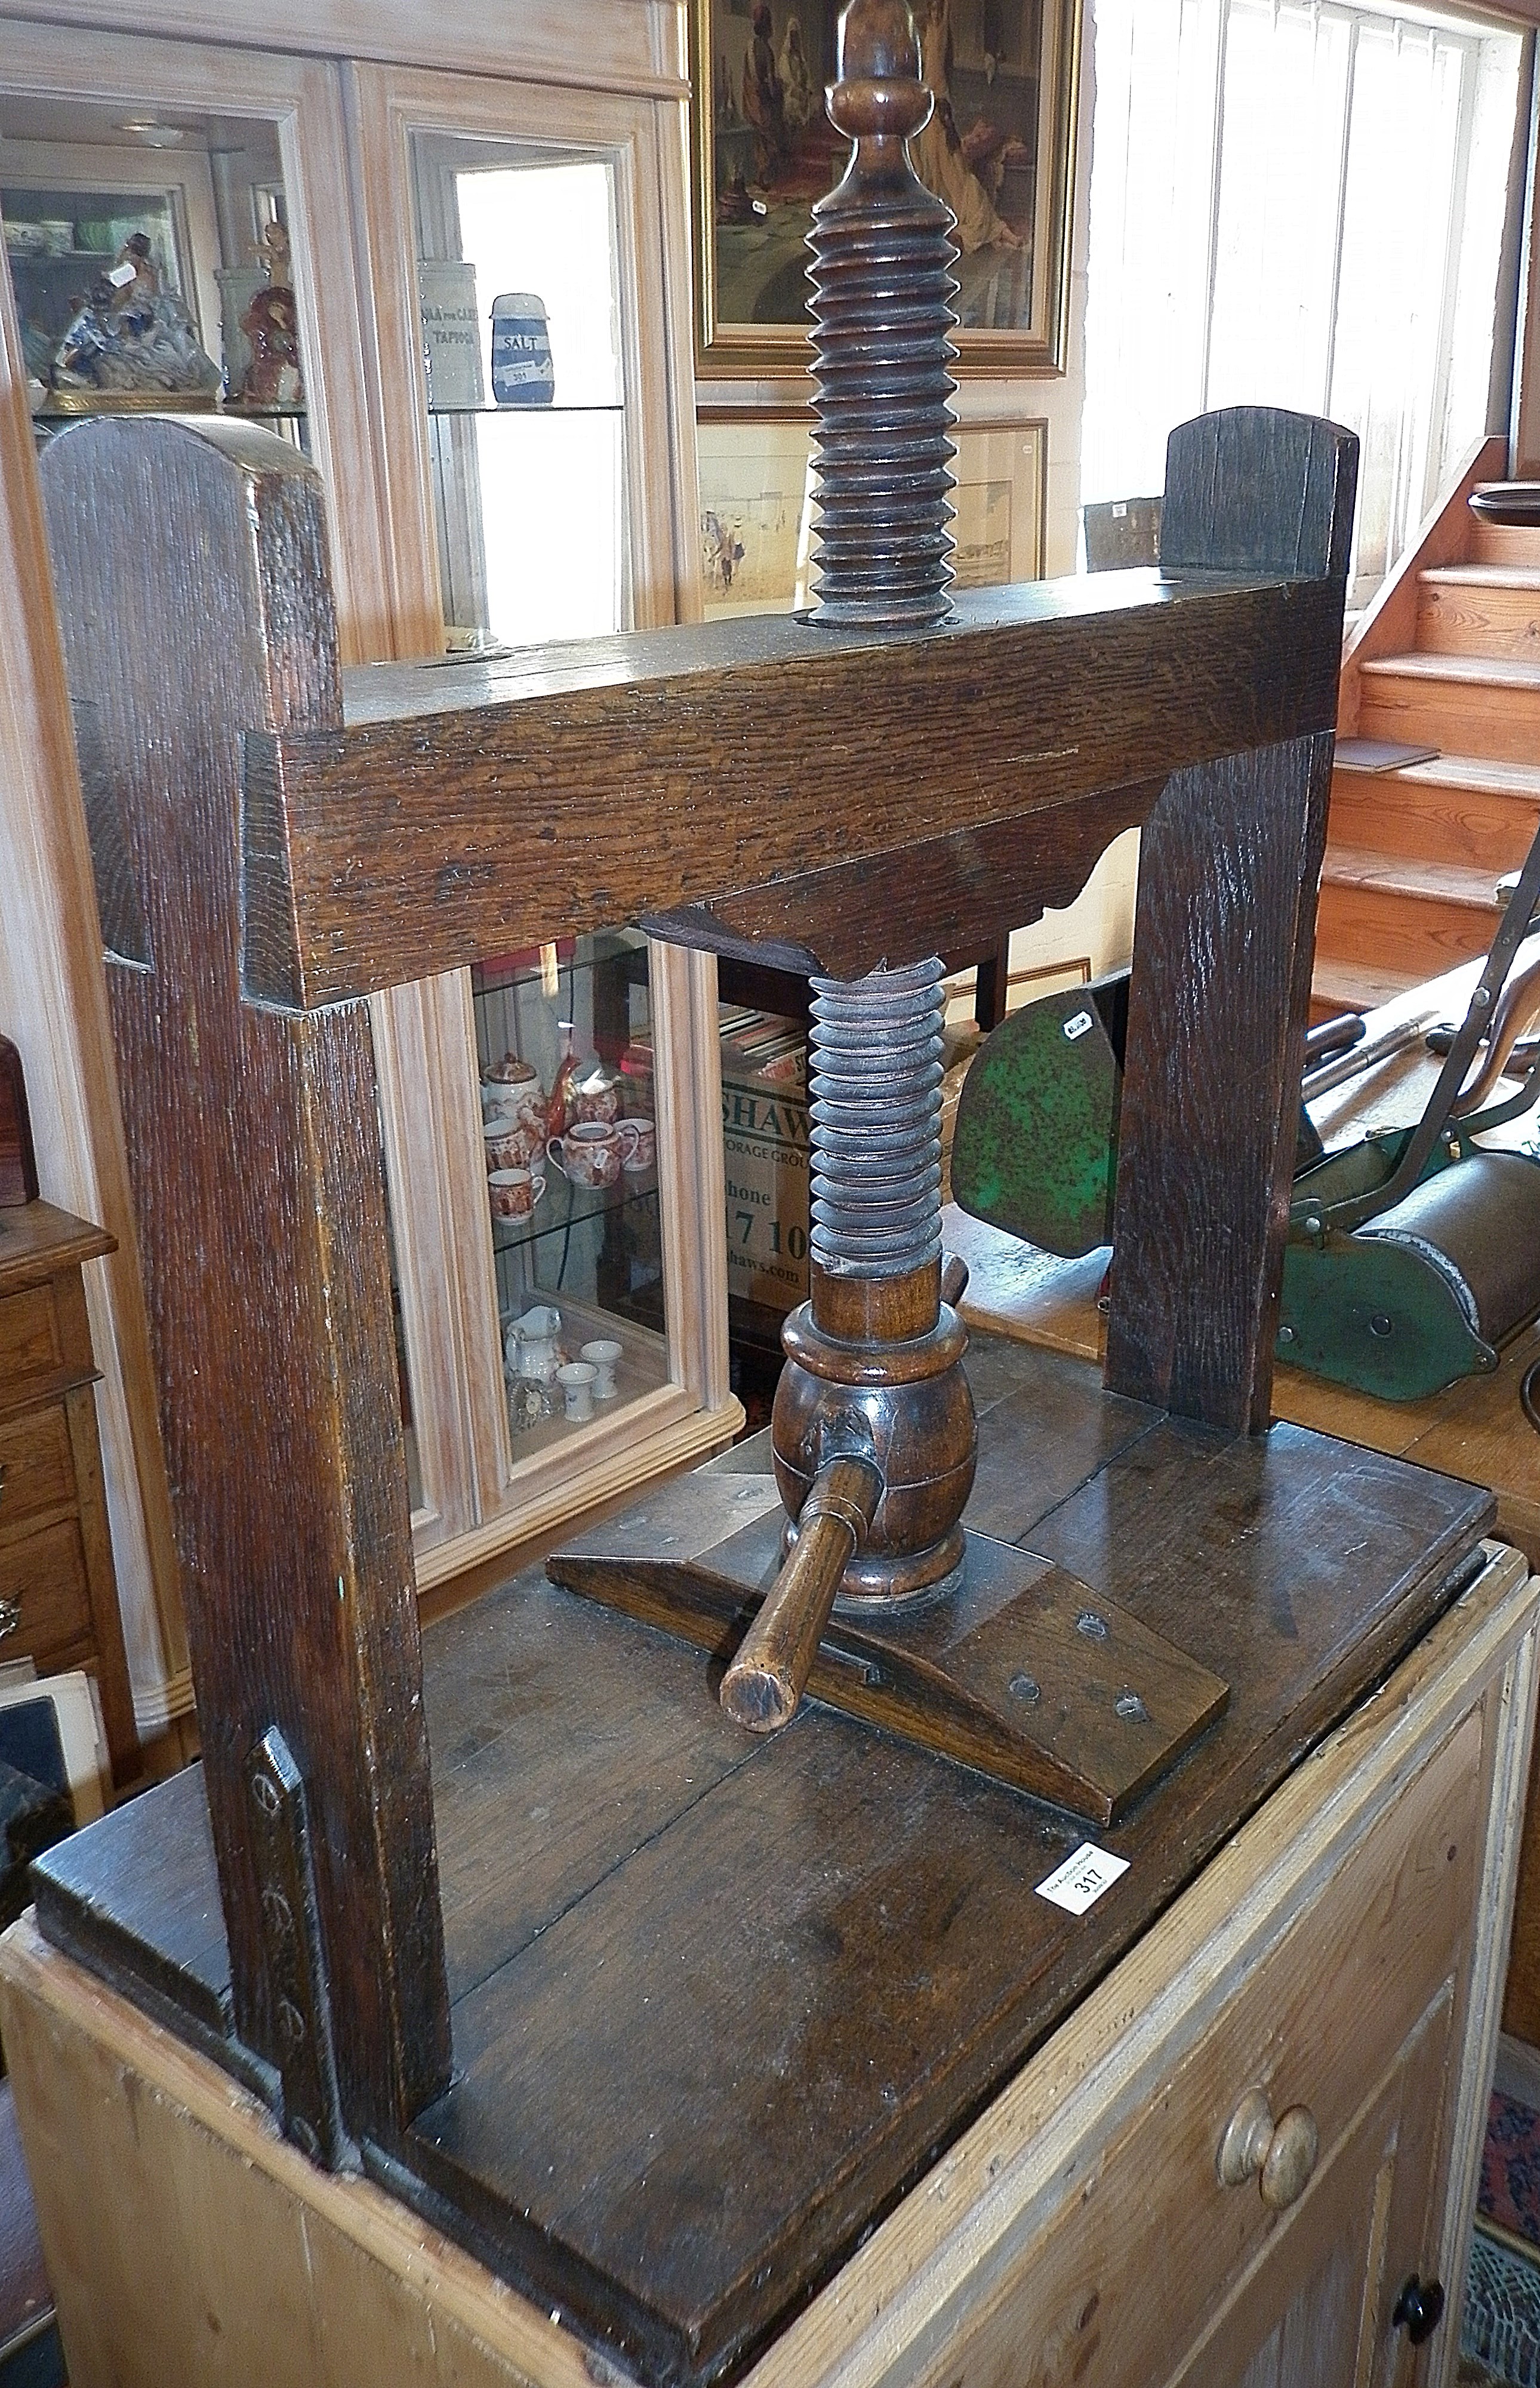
[[828, 801]]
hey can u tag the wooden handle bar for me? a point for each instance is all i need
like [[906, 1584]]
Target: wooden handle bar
[[767, 1677]]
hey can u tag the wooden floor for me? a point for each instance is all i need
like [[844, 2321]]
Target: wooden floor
[[717, 2001]]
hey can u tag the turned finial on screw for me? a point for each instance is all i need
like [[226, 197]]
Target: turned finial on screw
[[877, 88]]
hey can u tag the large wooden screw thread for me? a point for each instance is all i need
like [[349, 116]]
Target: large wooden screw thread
[[882, 319], [872, 1434]]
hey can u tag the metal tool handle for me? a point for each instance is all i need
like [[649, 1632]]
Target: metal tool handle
[[767, 1677], [1519, 1009], [1352, 1212]]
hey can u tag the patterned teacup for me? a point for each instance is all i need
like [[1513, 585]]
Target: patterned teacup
[[643, 1155], [514, 1192], [511, 1142]]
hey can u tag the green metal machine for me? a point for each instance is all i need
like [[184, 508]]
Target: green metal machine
[[1412, 1254]]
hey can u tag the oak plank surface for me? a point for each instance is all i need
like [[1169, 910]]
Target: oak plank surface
[[716, 1970], [821, 1956], [610, 787]]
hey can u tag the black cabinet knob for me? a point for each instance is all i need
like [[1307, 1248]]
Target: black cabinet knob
[[1420, 2309]]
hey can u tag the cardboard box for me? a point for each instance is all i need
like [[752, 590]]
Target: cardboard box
[[766, 1149]]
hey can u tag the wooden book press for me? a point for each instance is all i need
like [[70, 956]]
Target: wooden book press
[[272, 847]]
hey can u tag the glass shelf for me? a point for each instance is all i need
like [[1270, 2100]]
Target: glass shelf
[[499, 972], [565, 1204], [21, 257], [71, 406], [527, 413]]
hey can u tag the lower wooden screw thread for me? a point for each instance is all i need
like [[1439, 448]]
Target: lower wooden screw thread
[[768, 1676], [875, 1108]]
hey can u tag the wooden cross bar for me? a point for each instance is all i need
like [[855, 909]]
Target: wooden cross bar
[[270, 847]]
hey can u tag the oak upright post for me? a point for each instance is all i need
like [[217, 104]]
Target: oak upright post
[[1224, 941], [196, 606]]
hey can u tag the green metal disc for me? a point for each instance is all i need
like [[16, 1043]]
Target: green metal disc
[[1035, 1148]]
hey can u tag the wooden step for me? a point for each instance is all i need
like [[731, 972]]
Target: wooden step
[[1461, 808], [1463, 704], [1479, 609], [1347, 985], [1502, 543], [1402, 915]]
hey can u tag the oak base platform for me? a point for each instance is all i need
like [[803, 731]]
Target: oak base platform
[[719, 2004]]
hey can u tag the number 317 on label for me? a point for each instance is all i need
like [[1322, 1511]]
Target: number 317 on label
[[1080, 1882]]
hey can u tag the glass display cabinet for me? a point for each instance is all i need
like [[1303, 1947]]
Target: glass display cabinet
[[534, 367], [491, 352], [150, 261]]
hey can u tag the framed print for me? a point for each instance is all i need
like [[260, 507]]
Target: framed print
[[753, 473], [1002, 478], [759, 503], [998, 148]]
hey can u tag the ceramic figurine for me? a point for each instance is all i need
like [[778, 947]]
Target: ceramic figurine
[[130, 335]]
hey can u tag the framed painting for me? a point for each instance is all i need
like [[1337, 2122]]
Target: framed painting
[[998, 149], [759, 503]]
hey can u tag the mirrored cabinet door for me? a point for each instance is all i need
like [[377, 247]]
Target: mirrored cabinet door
[[520, 298], [463, 299], [533, 362]]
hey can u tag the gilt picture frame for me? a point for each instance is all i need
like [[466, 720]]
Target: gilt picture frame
[[1000, 150]]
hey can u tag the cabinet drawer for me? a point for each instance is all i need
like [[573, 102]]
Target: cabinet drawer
[[1147, 2243], [30, 1348], [42, 1580], [37, 1471]]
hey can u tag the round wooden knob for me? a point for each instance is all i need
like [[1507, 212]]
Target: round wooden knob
[[1290, 2158], [1279, 2156]]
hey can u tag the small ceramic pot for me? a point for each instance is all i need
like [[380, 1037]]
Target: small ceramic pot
[[604, 1357], [578, 1380], [592, 1153], [643, 1152], [593, 1093], [511, 1143], [512, 1092], [514, 1192], [531, 1349]]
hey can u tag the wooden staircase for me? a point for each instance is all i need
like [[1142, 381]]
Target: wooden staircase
[[1447, 657]]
